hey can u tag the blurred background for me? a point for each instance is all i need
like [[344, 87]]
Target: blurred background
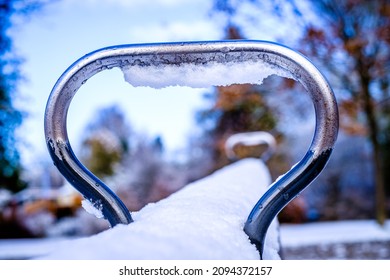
[[147, 143]]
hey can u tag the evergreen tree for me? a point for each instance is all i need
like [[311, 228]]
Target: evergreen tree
[[106, 141], [10, 117]]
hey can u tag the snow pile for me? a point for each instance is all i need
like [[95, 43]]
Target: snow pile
[[204, 220], [201, 76]]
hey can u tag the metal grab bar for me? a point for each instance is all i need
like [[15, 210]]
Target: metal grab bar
[[280, 192]]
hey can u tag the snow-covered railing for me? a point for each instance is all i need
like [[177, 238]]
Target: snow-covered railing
[[253, 138], [196, 64], [204, 220]]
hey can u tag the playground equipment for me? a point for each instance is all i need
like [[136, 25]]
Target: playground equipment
[[254, 138], [187, 57]]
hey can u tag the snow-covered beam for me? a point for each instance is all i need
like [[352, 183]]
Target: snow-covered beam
[[204, 220]]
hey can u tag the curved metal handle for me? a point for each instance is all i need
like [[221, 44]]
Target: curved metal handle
[[195, 53]]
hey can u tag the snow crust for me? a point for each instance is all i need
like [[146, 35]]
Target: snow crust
[[201, 76], [204, 220]]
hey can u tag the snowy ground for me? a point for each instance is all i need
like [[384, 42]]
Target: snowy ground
[[326, 240], [16, 249], [336, 240]]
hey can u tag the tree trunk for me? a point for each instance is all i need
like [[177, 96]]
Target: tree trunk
[[380, 195]]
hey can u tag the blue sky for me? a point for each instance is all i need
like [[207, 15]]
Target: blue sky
[[52, 39], [63, 31]]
